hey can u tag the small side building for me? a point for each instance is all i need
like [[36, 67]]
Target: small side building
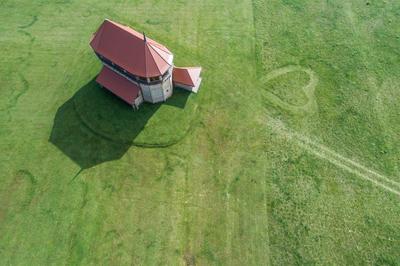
[[187, 78]]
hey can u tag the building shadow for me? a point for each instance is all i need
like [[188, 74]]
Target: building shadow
[[179, 98], [94, 126]]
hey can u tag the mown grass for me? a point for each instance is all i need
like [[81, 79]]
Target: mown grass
[[288, 87], [78, 187], [320, 213]]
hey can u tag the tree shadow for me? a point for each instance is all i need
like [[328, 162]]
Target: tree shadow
[[94, 126]]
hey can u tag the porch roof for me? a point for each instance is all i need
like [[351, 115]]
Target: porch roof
[[118, 85]]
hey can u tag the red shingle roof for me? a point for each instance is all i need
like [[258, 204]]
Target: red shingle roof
[[118, 85], [186, 75], [129, 49]]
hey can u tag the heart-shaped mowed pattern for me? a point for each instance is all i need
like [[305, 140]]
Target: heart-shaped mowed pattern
[[309, 90]]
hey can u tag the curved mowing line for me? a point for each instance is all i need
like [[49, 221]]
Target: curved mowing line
[[14, 100], [133, 143], [31, 182], [333, 157], [30, 24], [29, 175], [28, 35], [308, 90]]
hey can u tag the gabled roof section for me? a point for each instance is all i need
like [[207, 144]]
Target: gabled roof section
[[130, 50], [186, 75], [118, 85]]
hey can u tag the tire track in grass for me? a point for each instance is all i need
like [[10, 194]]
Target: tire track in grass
[[345, 160], [348, 168], [335, 158]]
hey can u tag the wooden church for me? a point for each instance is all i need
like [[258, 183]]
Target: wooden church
[[137, 68]]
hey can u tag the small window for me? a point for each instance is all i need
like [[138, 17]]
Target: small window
[[142, 79]]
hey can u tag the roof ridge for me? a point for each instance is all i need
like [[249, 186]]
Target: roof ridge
[[145, 59], [125, 28], [125, 47], [159, 70], [160, 55], [160, 46]]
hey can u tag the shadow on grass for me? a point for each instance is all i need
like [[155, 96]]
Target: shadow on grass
[[179, 98], [94, 126]]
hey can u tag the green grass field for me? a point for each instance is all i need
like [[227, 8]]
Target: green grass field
[[289, 154]]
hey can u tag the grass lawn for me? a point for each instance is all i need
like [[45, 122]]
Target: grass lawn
[[289, 153]]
